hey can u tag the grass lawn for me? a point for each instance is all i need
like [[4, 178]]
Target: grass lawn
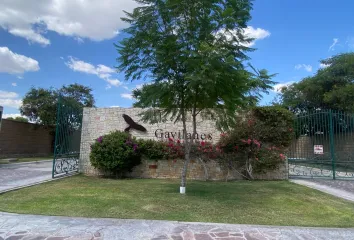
[[270, 203], [30, 159]]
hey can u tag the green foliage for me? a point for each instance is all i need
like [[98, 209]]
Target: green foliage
[[40, 105], [195, 64], [18, 119], [259, 139], [153, 150], [275, 125], [115, 153], [193, 52], [331, 87]]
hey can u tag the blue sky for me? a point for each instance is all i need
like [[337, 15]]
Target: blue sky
[[48, 43]]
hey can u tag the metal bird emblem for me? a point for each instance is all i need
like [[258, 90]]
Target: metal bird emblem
[[132, 124]]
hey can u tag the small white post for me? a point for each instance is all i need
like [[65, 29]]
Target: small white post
[[182, 190]]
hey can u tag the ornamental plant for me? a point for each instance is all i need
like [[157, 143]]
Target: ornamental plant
[[259, 140], [115, 153]]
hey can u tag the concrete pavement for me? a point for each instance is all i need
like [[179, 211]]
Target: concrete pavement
[[13, 176], [339, 188]]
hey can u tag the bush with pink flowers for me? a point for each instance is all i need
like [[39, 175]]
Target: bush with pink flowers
[[115, 153], [259, 141]]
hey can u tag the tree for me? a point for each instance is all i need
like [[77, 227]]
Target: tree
[[40, 105], [332, 87], [193, 53], [18, 119]]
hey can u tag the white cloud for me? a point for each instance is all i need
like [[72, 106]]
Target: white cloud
[[335, 42], [114, 82], [322, 65], [278, 87], [139, 86], [12, 103], [30, 35], [14, 63], [104, 69], [308, 68], [10, 99], [256, 33], [250, 32], [14, 84], [100, 70], [127, 95], [95, 20], [4, 94]]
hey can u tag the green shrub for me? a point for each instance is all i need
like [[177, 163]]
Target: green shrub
[[153, 150], [259, 139], [115, 153]]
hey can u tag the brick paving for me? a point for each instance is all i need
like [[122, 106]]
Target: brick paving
[[31, 227]]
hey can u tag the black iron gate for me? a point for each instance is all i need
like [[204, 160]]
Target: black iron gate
[[67, 138], [323, 146]]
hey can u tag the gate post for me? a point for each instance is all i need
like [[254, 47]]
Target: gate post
[[56, 134], [331, 139]]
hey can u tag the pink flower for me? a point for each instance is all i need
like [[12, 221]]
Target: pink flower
[[170, 139], [202, 143], [178, 141], [257, 159], [282, 156], [257, 143], [249, 141]]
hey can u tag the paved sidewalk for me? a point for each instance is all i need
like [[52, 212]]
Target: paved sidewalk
[[30, 227], [13, 176], [339, 188]]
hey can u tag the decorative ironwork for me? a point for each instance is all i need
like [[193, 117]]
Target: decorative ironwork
[[324, 145], [67, 139]]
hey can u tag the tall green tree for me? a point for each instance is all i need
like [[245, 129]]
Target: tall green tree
[[193, 52], [40, 105], [331, 87]]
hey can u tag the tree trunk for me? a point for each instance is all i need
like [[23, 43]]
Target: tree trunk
[[206, 172], [186, 154]]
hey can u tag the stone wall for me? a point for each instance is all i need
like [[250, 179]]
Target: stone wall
[[18, 139], [171, 169], [101, 121]]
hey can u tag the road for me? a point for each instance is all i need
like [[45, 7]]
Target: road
[[14, 176]]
